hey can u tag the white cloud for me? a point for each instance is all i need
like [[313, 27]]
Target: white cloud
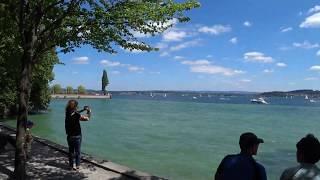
[[209, 56], [154, 72], [110, 63], [167, 24], [257, 57], [234, 40], [174, 35], [115, 72], [215, 30], [130, 67], [204, 66], [311, 79], [318, 53], [161, 45], [268, 71], [305, 45], [312, 21], [247, 23], [164, 54], [286, 29], [186, 44], [196, 62], [240, 72], [135, 51], [213, 69], [315, 68], [285, 48], [81, 60], [315, 9], [245, 80], [135, 68], [178, 57], [138, 34], [280, 64]]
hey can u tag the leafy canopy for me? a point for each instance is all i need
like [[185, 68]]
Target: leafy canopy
[[103, 24]]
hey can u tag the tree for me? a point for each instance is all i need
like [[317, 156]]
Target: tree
[[56, 89], [69, 90], [45, 24], [40, 91], [105, 81], [81, 89]]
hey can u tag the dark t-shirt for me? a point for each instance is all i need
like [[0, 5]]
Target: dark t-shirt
[[240, 167], [72, 123]]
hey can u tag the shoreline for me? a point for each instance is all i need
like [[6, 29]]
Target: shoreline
[[80, 96], [103, 168]]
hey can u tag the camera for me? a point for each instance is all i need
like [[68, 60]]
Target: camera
[[86, 108]]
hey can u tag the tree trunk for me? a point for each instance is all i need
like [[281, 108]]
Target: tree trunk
[[24, 94]]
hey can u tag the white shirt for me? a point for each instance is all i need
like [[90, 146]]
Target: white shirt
[[302, 172]]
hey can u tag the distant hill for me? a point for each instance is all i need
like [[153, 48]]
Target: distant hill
[[303, 92]]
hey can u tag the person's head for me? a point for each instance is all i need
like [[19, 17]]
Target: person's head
[[72, 105], [308, 150], [249, 143], [29, 124]]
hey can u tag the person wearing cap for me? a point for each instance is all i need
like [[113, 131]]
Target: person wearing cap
[[242, 166], [308, 154]]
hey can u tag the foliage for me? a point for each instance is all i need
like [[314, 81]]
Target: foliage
[[105, 81], [81, 89], [56, 89], [69, 90], [40, 91]]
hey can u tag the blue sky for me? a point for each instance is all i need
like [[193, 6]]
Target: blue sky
[[246, 45]]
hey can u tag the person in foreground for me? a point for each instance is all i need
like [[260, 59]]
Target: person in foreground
[[73, 131], [308, 154], [242, 166]]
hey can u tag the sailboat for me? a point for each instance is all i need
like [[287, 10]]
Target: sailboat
[[306, 97]]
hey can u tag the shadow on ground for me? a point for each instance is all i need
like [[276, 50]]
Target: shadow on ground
[[129, 175], [45, 163]]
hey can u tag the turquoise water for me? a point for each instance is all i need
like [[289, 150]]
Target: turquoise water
[[183, 140]]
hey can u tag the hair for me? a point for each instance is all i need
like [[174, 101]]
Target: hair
[[68, 107], [309, 147]]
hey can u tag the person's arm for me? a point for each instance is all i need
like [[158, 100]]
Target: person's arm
[[263, 174], [87, 116], [219, 171]]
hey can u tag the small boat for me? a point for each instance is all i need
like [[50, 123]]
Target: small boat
[[306, 97], [151, 95], [194, 97], [312, 101], [259, 101], [165, 95], [224, 99]]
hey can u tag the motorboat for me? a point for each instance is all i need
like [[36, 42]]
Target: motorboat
[[259, 101], [312, 101], [224, 99], [194, 97]]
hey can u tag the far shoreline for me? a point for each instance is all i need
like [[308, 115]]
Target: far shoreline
[[80, 96]]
